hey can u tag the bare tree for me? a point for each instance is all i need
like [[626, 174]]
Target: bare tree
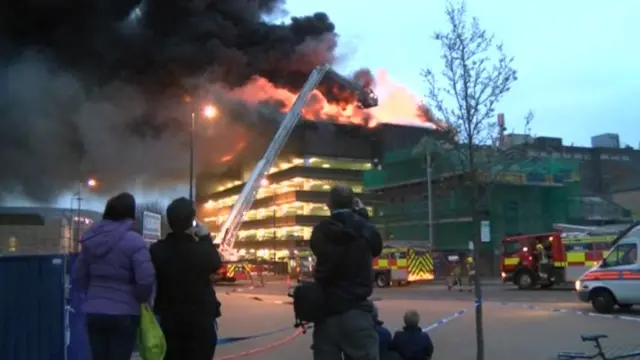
[[463, 96]]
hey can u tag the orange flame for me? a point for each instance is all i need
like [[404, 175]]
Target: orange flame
[[397, 104]]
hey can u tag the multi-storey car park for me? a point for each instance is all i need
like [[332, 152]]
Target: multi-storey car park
[[292, 197]]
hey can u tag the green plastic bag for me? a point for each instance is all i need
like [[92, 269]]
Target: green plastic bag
[[151, 342]]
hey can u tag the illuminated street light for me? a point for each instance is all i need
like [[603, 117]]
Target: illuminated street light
[[91, 183], [210, 111]]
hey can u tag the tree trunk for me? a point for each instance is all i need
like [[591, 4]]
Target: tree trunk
[[477, 242]]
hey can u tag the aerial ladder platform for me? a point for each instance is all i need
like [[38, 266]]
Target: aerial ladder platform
[[227, 235]]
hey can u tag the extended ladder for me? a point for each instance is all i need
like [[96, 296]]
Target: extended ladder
[[227, 235]]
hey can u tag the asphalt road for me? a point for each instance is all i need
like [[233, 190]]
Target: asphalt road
[[509, 330], [514, 322]]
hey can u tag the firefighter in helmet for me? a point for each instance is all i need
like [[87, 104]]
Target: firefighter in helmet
[[13, 244], [471, 272], [455, 277], [543, 247]]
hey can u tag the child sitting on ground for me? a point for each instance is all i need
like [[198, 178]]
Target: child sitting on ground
[[411, 343]]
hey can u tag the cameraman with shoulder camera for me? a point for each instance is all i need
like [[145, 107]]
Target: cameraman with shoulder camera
[[185, 299], [344, 245]]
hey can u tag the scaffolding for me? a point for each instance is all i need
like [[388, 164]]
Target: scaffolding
[[529, 196]]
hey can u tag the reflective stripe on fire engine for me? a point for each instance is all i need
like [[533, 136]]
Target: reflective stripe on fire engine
[[382, 263], [420, 265], [584, 258], [513, 260], [559, 264], [575, 258]]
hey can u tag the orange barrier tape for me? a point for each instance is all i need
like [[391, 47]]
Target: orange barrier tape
[[264, 348]]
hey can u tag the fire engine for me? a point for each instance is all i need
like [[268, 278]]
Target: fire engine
[[570, 255], [402, 265], [396, 265], [227, 235]]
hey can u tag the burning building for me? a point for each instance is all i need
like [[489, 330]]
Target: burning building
[[110, 79], [293, 198]]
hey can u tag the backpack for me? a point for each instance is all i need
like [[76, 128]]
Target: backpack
[[308, 302]]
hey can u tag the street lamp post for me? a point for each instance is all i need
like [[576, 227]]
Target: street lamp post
[[274, 226], [429, 194], [192, 135], [208, 112], [75, 224], [265, 183]]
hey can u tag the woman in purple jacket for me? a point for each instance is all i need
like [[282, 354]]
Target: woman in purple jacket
[[115, 270]]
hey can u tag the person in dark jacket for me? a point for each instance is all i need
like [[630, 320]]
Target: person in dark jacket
[[384, 335], [344, 245], [185, 300], [114, 269], [411, 343]]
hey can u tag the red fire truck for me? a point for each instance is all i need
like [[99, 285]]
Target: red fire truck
[[569, 258]]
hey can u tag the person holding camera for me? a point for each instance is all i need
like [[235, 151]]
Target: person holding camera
[[185, 300], [344, 245]]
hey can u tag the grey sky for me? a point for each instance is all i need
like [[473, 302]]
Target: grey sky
[[575, 58]]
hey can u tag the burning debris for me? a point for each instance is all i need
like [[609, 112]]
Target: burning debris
[[97, 88]]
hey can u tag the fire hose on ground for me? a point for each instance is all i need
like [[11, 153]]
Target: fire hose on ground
[[272, 345]]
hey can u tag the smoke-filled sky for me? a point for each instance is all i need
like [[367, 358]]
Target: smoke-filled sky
[[98, 88], [95, 88]]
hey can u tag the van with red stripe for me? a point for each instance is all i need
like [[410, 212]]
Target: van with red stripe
[[615, 281]]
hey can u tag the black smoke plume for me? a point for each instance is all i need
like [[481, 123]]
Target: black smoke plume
[[97, 87]]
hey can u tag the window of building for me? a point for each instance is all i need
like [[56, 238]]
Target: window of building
[[339, 163], [624, 158], [604, 156], [284, 233]]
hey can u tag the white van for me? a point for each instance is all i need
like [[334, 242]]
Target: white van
[[615, 281]]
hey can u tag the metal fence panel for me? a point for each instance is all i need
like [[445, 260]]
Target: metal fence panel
[[78, 348], [32, 307]]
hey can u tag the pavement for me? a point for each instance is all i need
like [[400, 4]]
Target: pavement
[[540, 323]]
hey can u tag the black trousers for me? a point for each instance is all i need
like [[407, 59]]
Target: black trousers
[[350, 336], [112, 337], [189, 339]]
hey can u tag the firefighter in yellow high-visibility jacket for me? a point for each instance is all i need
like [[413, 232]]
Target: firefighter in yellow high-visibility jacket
[[471, 273], [455, 275], [13, 244]]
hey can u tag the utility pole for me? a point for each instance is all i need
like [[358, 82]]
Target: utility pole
[[191, 154], [427, 152], [274, 224], [77, 223]]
